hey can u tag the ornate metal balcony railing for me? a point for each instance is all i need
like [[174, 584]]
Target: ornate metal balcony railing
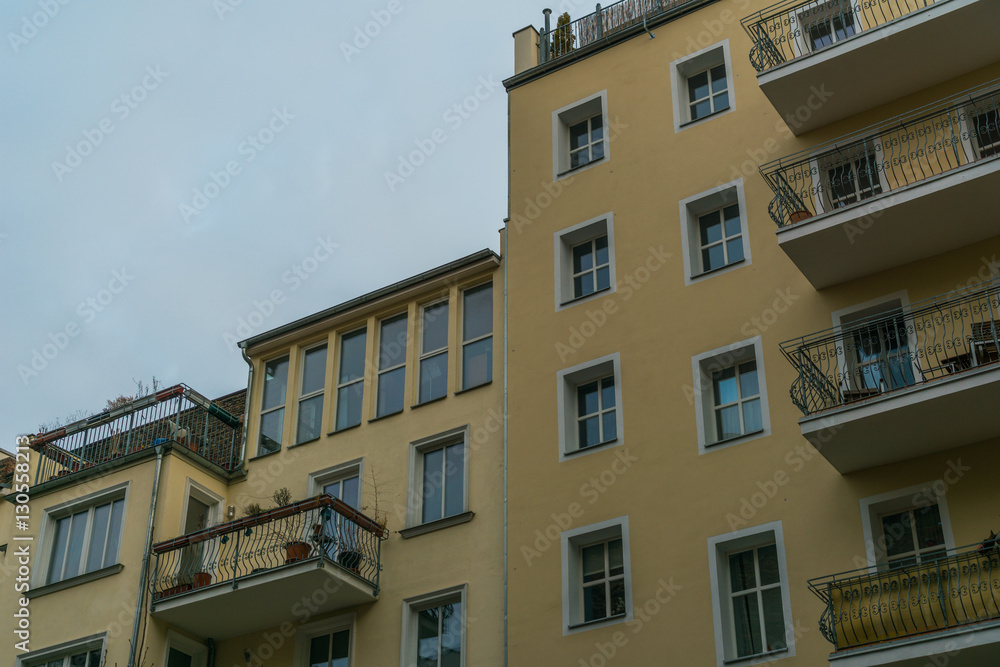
[[796, 28], [928, 142], [179, 414], [563, 40], [321, 527], [952, 589], [931, 340]]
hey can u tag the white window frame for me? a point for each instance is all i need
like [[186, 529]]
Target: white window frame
[[305, 633], [197, 650], [64, 650], [719, 548], [379, 371], [343, 385], [691, 209], [412, 605], [918, 495], [690, 65], [418, 448], [569, 115], [702, 367], [823, 189], [564, 241], [571, 544], [47, 533], [263, 390], [567, 381], [469, 341], [302, 397], [422, 356], [320, 478], [799, 23]]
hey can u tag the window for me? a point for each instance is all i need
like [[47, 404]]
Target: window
[[326, 643], [985, 129], [272, 408], [86, 652], [434, 352], [730, 395], [477, 336], [849, 175], [439, 470], [391, 366], [824, 23], [342, 481], [579, 134], [311, 394], [701, 84], [82, 659], [584, 261], [434, 630], [351, 379], [714, 231], [751, 607], [596, 575], [876, 355], [85, 539], [589, 398], [907, 526], [184, 652]]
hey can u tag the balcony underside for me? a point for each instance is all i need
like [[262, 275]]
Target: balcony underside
[[918, 221], [920, 420], [935, 44], [264, 600], [969, 646]]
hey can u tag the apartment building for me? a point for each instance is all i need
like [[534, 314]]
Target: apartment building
[[346, 509], [752, 334]]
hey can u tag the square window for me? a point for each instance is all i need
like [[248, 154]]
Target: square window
[[313, 382], [477, 336], [751, 607], [580, 135], [849, 176], [272, 405], [702, 85], [434, 629], [596, 575], [714, 232], [584, 261], [351, 379], [907, 526], [439, 469], [589, 398], [730, 395], [326, 643], [434, 351], [391, 366]]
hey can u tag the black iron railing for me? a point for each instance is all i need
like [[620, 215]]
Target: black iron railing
[[562, 40], [177, 414], [318, 528], [796, 28], [902, 151], [875, 604], [931, 340]]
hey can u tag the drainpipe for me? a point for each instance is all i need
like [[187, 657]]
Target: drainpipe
[[211, 652], [246, 408], [506, 254], [145, 559]]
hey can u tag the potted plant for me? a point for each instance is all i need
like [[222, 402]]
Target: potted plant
[[296, 548]]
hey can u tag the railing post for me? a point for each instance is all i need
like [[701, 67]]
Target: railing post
[[236, 557], [600, 22], [546, 36]]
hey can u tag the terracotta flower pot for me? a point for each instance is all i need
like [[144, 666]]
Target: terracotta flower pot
[[296, 551], [202, 579], [799, 216]]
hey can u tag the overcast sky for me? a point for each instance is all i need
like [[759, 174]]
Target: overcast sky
[[168, 167]]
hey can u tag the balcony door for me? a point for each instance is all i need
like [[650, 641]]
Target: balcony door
[[876, 354], [201, 510], [818, 25], [340, 532]]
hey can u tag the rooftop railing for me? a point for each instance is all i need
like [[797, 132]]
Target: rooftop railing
[[931, 340], [902, 151], [321, 527], [949, 589], [177, 414], [796, 28], [563, 40]]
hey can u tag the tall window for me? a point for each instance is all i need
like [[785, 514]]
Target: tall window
[[272, 409], [591, 267], [853, 179], [708, 92], [603, 581], [596, 417], [756, 597], [720, 238], [391, 366], [736, 396], [330, 650], [586, 141], [439, 636], [311, 394], [913, 536], [986, 130], [829, 22], [443, 482], [477, 336], [86, 540], [434, 352], [351, 379]]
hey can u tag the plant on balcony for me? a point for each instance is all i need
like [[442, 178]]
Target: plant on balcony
[[563, 39], [990, 544]]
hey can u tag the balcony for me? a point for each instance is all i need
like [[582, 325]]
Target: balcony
[[906, 189], [250, 574], [178, 414], [906, 616], [903, 383], [819, 61]]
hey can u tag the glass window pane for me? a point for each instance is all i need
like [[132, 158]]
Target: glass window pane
[[751, 416], [390, 391], [454, 486], [617, 597], [608, 393], [583, 257], [898, 534], [597, 127], [701, 109], [718, 78], [601, 247], [59, 549], [275, 383], [578, 158], [314, 371], [928, 525], [590, 432], [94, 658], [767, 561], [603, 278], [774, 619], [597, 151], [392, 342], [746, 618], [114, 532], [594, 602], [579, 135], [586, 399], [79, 660], [610, 422], [477, 363], [724, 386], [352, 356], [477, 312], [741, 572], [735, 249], [319, 651], [427, 637], [698, 86], [98, 538], [711, 228], [727, 421], [748, 379], [351, 491], [435, 325], [583, 285], [349, 405], [713, 258], [451, 636], [721, 101], [433, 485], [74, 554], [270, 431], [310, 418], [593, 562], [433, 377], [616, 558], [731, 215]]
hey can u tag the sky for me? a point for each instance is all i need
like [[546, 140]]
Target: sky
[[179, 176]]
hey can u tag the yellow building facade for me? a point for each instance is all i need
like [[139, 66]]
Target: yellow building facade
[[752, 335]]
